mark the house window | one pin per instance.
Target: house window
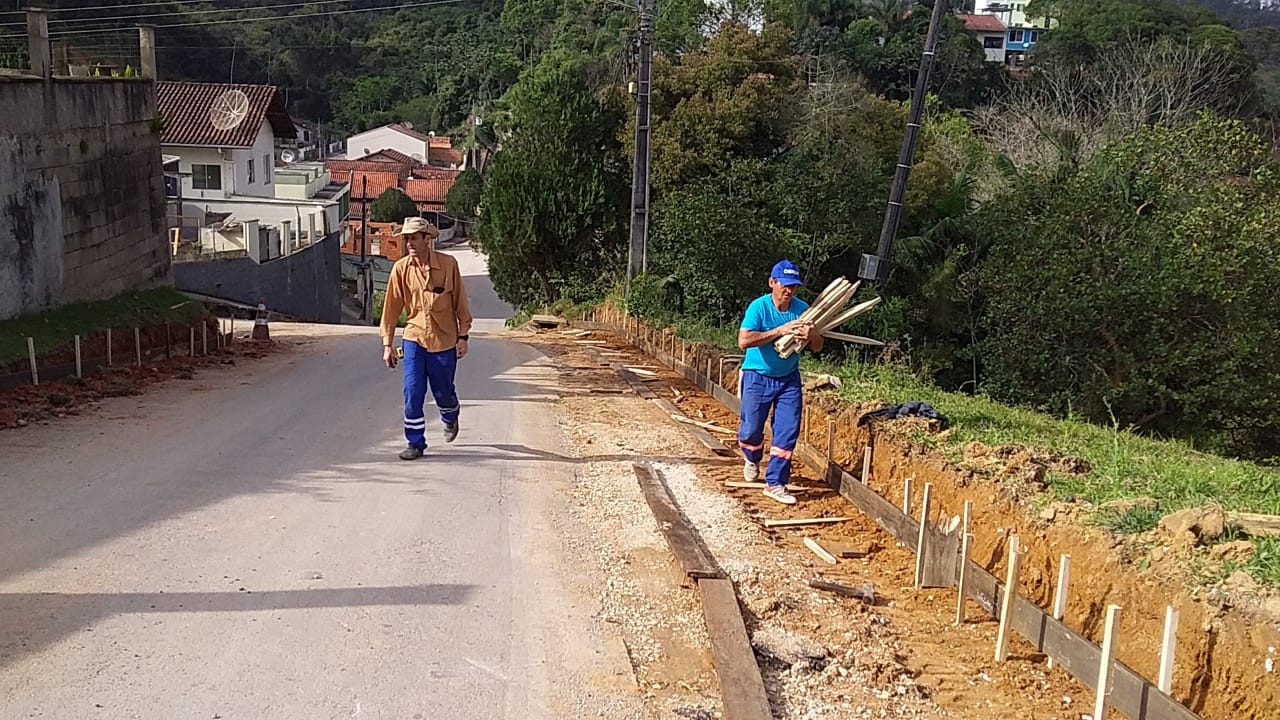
(206, 177)
(267, 169)
(1017, 36)
(993, 42)
(250, 171)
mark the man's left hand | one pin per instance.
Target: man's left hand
(461, 347)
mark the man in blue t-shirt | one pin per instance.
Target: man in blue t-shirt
(770, 382)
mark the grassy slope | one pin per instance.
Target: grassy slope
(57, 328)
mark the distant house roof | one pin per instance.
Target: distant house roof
(378, 183)
(982, 23)
(427, 191)
(432, 173)
(445, 156)
(390, 155)
(409, 131)
(401, 170)
(185, 107)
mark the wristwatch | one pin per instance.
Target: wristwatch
(465, 338)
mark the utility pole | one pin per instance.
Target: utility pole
(638, 258)
(366, 292)
(876, 267)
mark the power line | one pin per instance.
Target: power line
(111, 7)
(402, 6)
(184, 13)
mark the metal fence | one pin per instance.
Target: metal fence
(75, 48)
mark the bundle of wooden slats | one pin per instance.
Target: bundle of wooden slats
(827, 313)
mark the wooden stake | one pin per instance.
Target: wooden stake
(802, 521)
(204, 339)
(866, 465)
(1107, 665)
(1060, 592)
(31, 353)
(1006, 604)
(232, 334)
(1167, 648)
(923, 535)
(108, 347)
(906, 496)
(720, 382)
(192, 346)
(831, 440)
(965, 539)
(820, 551)
(137, 345)
(79, 365)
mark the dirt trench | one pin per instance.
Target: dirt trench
(1226, 655)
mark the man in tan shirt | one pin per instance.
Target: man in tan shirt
(428, 285)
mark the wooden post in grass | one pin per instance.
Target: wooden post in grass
(923, 535)
(137, 345)
(79, 364)
(1107, 664)
(1006, 604)
(204, 338)
(108, 347)
(1060, 592)
(192, 346)
(966, 537)
(906, 496)
(1167, 647)
(720, 382)
(31, 353)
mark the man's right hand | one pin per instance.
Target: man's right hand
(389, 356)
(797, 328)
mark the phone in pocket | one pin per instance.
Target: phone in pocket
(399, 352)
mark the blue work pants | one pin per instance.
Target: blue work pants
(761, 394)
(423, 369)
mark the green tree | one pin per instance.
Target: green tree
(1139, 287)
(554, 199)
(464, 195)
(393, 205)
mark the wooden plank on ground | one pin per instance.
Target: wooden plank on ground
(697, 563)
(803, 521)
(885, 513)
(816, 548)
(741, 685)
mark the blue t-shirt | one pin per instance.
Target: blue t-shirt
(762, 315)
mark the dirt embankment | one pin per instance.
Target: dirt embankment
(1228, 636)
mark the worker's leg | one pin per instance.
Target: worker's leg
(414, 367)
(441, 368)
(786, 429)
(757, 397)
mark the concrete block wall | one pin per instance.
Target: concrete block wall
(82, 205)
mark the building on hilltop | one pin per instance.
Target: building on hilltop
(429, 149)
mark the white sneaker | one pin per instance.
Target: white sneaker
(750, 471)
(781, 494)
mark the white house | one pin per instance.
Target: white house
(428, 149)
(226, 140)
(991, 33)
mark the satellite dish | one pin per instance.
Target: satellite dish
(417, 156)
(288, 156)
(229, 110)
(407, 125)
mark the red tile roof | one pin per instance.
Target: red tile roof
(185, 107)
(379, 182)
(427, 191)
(390, 155)
(432, 173)
(401, 170)
(445, 156)
(982, 23)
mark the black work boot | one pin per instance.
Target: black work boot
(451, 432)
(411, 453)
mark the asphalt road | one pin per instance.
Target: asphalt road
(247, 545)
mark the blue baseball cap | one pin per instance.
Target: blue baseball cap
(786, 273)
